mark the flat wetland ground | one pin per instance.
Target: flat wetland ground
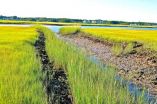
(21, 76)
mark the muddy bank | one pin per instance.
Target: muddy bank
(55, 80)
(139, 65)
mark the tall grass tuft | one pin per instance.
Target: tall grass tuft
(69, 30)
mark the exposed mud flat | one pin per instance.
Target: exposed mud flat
(55, 80)
(139, 66)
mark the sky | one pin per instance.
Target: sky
(125, 10)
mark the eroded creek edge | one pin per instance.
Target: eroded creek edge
(55, 80)
(139, 67)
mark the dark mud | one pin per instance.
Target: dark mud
(138, 66)
(55, 80)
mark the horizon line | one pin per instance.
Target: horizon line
(73, 18)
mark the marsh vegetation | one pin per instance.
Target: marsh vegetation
(21, 76)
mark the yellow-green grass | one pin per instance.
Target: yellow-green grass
(147, 37)
(33, 22)
(69, 30)
(14, 22)
(20, 70)
(89, 83)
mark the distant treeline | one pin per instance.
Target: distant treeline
(68, 20)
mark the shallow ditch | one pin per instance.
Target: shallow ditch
(55, 80)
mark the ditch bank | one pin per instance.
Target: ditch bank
(138, 66)
(55, 80)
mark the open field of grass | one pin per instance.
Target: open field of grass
(147, 37)
(20, 74)
(32, 22)
(90, 83)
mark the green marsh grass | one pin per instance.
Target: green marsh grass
(20, 70)
(147, 37)
(69, 30)
(35, 22)
(89, 83)
(122, 48)
(117, 50)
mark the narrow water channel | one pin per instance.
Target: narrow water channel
(134, 90)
